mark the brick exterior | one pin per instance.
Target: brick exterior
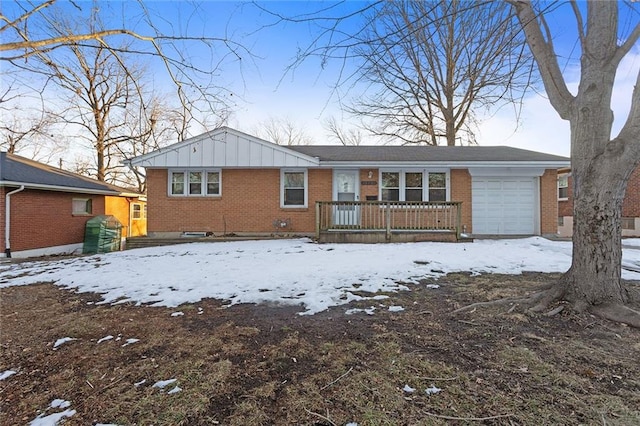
(461, 191)
(44, 219)
(549, 202)
(250, 202)
(630, 206)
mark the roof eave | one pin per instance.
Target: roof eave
(58, 188)
(448, 164)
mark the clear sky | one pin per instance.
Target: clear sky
(261, 86)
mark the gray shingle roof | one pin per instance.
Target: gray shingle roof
(451, 154)
(14, 168)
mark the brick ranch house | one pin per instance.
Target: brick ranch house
(630, 206)
(228, 182)
(45, 209)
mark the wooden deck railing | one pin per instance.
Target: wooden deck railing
(388, 216)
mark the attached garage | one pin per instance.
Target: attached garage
(505, 205)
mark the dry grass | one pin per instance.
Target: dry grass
(260, 365)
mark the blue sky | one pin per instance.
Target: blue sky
(264, 88)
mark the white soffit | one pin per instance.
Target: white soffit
(507, 171)
(224, 147)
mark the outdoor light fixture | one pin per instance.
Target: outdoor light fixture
(370, 174)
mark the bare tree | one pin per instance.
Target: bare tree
(57, 42)
(26, 130)
(430, 65)
(346, 136)
(282, 131)
(601, 164)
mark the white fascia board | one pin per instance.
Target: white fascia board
(57, 188)
(445, 164)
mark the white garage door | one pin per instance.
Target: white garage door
(504, 205)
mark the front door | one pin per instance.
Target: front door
(346, 187)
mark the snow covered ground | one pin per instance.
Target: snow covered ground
(280, 271)
(297, 272)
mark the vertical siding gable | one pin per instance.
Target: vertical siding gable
(227, 149)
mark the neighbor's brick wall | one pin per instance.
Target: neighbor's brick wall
(250, 202)
(461, 191)
(630, 206)
(565, 207)
(3, 191)
(42, 219)
(549, 202)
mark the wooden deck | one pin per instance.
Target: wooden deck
(387, 221)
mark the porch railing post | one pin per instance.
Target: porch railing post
(458, 220)
(318, 220)
(387, 215)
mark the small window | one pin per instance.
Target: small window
(136, 211)
(294, 192)
(629, 223)
(213, 183)
(437, 187)
(195, 183)
(390, 186)
(81, 206)
(560, 220)
(177, 183)
(413, 186)
(563, 187)
(144, 212)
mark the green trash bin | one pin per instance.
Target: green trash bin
(102, 235)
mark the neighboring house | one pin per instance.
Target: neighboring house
(630, 206)
(229, 182)
(44, 209)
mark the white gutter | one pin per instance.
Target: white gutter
(7, 220)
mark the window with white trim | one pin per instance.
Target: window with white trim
(136, 211)
(563, 187)
(293, 188)
(194, 183)
(437, 186)
(81, 206)
(412, 185)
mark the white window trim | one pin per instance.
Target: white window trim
(203, 187)
(558, 189)
(306, 188)
(425, 181)
(133, 209)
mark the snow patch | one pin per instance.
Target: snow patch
(104, 339)
(62, 341)
(164, 383)
(6, 374)
(130, 342)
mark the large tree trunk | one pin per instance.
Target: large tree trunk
(600, 168)
(595, 274)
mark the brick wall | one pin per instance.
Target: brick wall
(549, 202)
(461, 191)
(630, 206)
(42, 219)
(250, 202)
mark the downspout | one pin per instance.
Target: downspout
(7, 220)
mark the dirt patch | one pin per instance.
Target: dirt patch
(267, 365)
